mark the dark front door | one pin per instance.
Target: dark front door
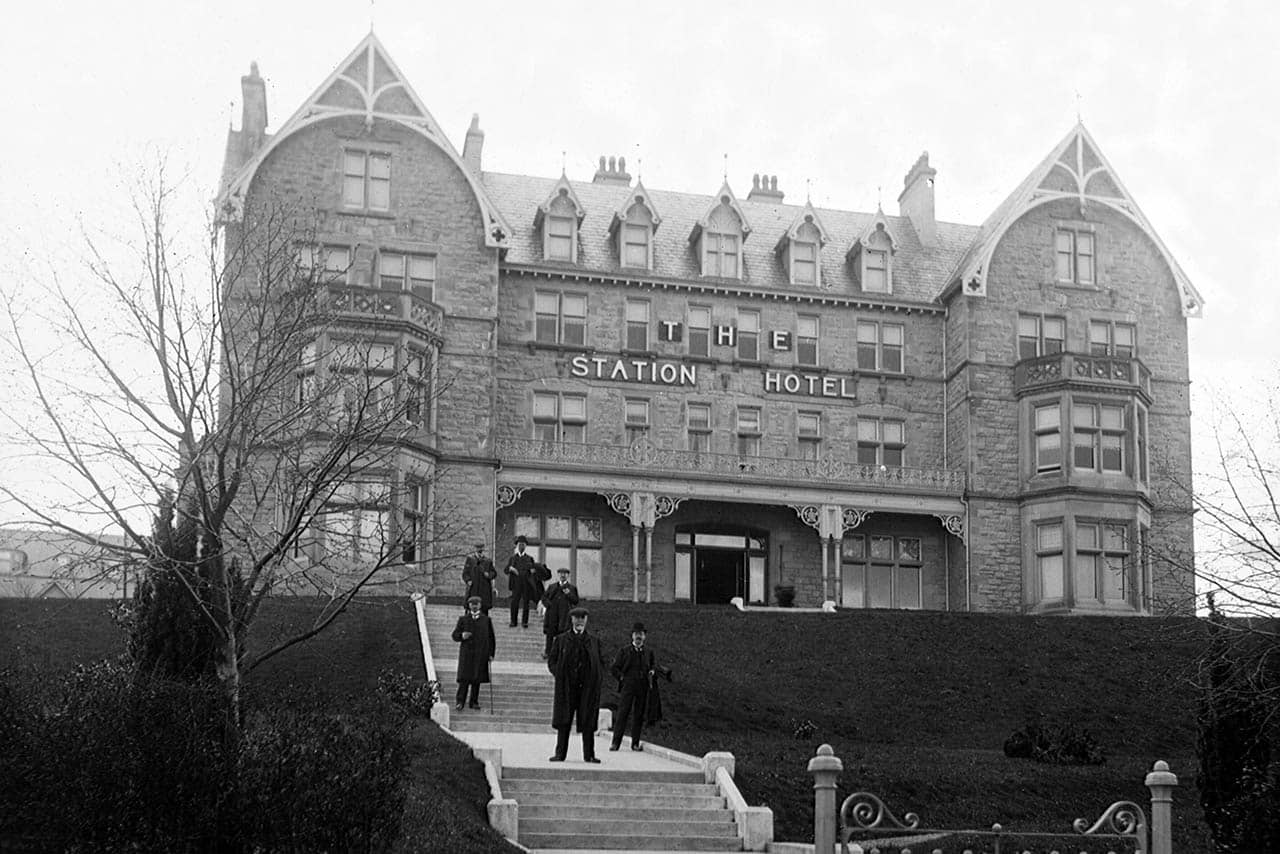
(719, 576)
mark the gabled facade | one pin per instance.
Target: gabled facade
(689, 397)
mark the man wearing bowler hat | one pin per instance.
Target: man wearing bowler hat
(634, 668)
(519, 572)
(559, 600)
(478, 574)
(576, 663)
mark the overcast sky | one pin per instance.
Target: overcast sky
(843, 95)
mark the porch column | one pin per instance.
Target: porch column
(635, 563)
(830, 528)
(648, 563)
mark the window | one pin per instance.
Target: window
(559, 418)
(875, 260)
(635, 246)
(414, 535)
(637, 324)
(308, 362)
(1112, 339)
(881, 442)
(366, 179)
(699, 427)
(803, 253)
(1049, 565)
(809, 434)
(355, 520)
(572, 542)
(699, 330)
(560, 318)
(637, 419)
(1101, 562)
(877, 271)
(806, 340)
(1074, 254)
(334, 263)
(748, 335)
(881, 571)
(398, 271)
(749, 431)
(720, 255)
(1040, 336)
(1048, 438)
(417, 385)
(880, 346)
(560, 229)
(1141, 424)
(365, 379)
(12, 561)
(1098, 437)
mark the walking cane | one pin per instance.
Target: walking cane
(490, 693)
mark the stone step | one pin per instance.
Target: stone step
(626, 812)
(495, 725)
(537, 841)
(682, 801)
(593, 827)
(691, 777)
(605, 787)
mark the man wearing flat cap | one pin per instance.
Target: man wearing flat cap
(634, 668)
(477, 643)
(559, 600)
(578, 668)
(520, 575)
(478, 574)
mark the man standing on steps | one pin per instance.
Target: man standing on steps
(578, 668)
(559, 599)
(520, 576)
(475, 634)
(635, 670)
(478, 574)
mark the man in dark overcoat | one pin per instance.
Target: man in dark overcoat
(559, 600)
(474, 632)
(478, 574)
(578, 667)
(635, 669)
(520, 576)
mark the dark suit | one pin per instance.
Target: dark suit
(474, 654)
(478, 574)
(559, 599)
(634, 670)
(520, 573)
(576, 663)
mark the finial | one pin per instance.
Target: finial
(879, 196)
(639, 162)
(1079, 109)
(808, 191)
(231, 113)
(371, 10)
(562, 163)
(726, 167)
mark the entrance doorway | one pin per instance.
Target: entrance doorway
(715, 563)
(719, 576)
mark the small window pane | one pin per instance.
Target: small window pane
(1047, 417)
(1051, 580)
(558, 528)
(575, 407)
(893, 334)
(1049, 537)
(544, 406)
(853, 547)
(879, 586)
(699, 416)
(909, 549)
(589, 529)
(528, 526)
(893, 432)
(882, 548)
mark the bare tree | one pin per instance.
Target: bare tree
(251, 396)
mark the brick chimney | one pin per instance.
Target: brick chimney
(764, 188)
(613, 172)
(253, 121)
(916, 200)
(472, 145)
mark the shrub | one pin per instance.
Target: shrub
(109, 759)
(404, 692)
(1055, 744)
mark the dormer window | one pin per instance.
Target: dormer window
(561, 230)
(719, 235)
(801, 248)
(635, 246)
(872, 257)
(558, 218)
(633, 226)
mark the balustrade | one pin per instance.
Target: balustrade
(644, 456)
(1081, 367)
(373, 303)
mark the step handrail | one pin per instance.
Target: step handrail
(420, 604)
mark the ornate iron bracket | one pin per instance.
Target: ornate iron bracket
(810, 514)
(508, 495)
(954, 523)
(852, 517)
(665, 505)
(619, 502)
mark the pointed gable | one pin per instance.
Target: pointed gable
(369, 85)
(633, 197)
(806, 219)
(562, 196)
(1074, 170)
(877, 232)
(715, 215)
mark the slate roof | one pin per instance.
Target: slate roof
(919, 274)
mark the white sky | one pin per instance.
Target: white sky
(1179, 95)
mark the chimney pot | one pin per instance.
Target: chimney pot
(764, 188)
(613, 170)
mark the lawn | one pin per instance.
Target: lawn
(917, 705)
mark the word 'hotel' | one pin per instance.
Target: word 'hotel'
(687, 396)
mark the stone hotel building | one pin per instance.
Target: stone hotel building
(694, 395)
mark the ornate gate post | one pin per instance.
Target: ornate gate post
(1161, 781)
(825, 768)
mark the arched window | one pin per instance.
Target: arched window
(722, 243)
(872, 257)
(635, 237)
(560, 230)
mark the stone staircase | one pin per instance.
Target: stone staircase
(567, 808)
(630, 802)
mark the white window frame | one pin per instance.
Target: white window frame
(808, 332)
(570, 328)
(1071, 247)
(363, 179)
(637, 325)
(872, 333)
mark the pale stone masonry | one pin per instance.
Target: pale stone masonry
(694, 396)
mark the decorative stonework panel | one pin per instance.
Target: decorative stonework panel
(508, 495)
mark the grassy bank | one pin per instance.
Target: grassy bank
(916, 705)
